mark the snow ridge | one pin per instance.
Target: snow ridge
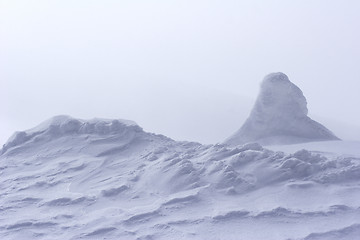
(65, 125)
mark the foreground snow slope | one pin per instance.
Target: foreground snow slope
(108, 179)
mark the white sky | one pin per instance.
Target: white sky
(189, 69)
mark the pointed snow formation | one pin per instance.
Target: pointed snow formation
(280, 116)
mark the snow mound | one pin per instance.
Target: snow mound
(58, 126)
(280, 116)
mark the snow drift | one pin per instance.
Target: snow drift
(280, 116)
(109, 179)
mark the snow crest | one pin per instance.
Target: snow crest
(65, 125)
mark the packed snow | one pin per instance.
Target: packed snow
(109, 179)
(280, 116)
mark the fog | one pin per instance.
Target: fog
(186, 69)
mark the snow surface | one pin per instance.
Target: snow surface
(104, 179)
(329, 148)
(280, 116)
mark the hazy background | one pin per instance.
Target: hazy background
(187, 69)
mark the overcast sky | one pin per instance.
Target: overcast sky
(187, 69)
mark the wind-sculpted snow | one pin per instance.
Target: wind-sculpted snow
(350, 232)
(65, 125)
(104, 179)
(280, 116)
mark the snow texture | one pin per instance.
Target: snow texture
(103, 179)
(280, 116)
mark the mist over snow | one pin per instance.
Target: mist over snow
(159, 127)
(186, 69)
